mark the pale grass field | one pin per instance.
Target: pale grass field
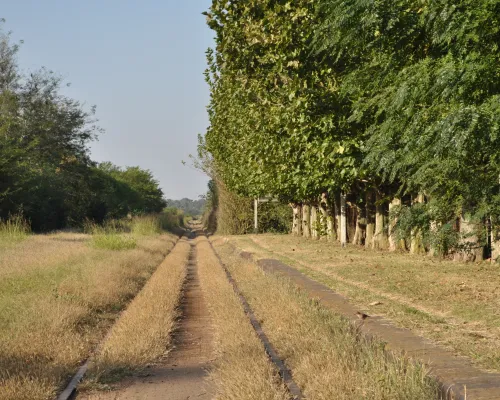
(455, 304)
(241, 369)
(58, 296)
(142, 334)
(328, 357)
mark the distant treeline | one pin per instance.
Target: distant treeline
(46, 173)
(190, 207)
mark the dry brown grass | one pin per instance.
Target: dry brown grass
(455, 304)
(58, 296)
(242, 370)
(142, 334)
(329, 358)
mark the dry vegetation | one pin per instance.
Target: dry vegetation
(242, 370)
(58, 296)
(328, 357)
(142, 334)
(456, 304)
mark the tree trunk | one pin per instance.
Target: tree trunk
(394, 244)
(433, 250)
(337, 218)
(495, 244)
(306, 220)
(370, 219)
(314, 223)
(471, 249)
(359, 235)
(417, 245)
(380, 240)
(323, 208)
(343, 220)
(297, 219)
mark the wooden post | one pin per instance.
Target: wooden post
(343, 220)
(370, 219)
(255, 216)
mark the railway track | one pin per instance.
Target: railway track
(284, 372)
(70, 392)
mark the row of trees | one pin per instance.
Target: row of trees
(348, 108)
(46, 173)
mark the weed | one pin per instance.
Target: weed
(14, 229)
(146, 225)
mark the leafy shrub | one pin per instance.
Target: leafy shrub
(171, 219)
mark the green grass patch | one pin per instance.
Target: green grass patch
(14, 229)
(146, 226)
(110, 237)
(113, 241)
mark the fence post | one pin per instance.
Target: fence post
(343, 220)
(255, 216)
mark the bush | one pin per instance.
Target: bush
(171, 219)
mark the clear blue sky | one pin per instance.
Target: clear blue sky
(140, 62)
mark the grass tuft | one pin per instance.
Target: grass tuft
(113, 241)
(14, 229)
(109, 237)
(146, 226)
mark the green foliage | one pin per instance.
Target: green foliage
(275, 218)
(274, 127)
(172, 219)
(409, 219)
(423, 80)
(209, 218)
(230, 214)
(312, 97)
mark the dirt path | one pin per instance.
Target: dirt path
(182, 375)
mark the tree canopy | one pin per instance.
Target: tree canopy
(319, 96)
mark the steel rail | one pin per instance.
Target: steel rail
(286, 375)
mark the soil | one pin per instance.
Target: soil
(182, 375)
